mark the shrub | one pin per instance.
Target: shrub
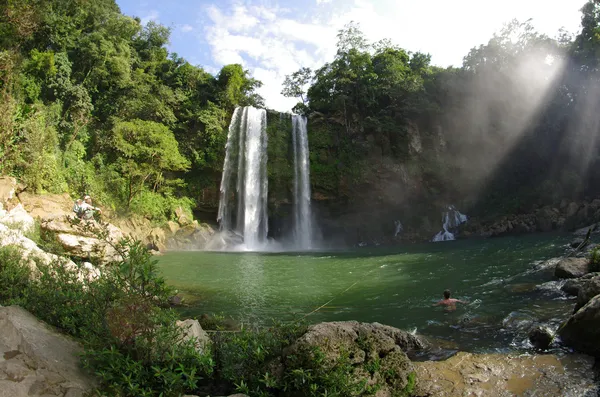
(130, 338)
(244, 358)
(595, 260)
(14, 277)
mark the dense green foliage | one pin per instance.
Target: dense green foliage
(131, 341)
(91, 102)
(517, 116)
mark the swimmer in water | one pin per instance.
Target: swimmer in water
(449, 303)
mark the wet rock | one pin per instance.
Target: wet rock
(36, 360)
(175, 300)
(588, 289)
(540, 337)
(498, 375)
(365, 344)
(572, 286)
(577, 242)
(193, 330)
(582, 330)
(572, 268)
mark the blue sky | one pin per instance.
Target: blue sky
(273, 38)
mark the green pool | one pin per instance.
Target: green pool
(505, 280)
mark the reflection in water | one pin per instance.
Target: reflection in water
(249, 287)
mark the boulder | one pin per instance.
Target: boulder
(38, 360)
(572, 268)
(157, 239)
(31, 252)
(182, 217)
(18, 218)
(572, 286)
(540, 337)
(589, 289)
(193, 330)
(80, 238)
(88, 248)
(377, 352)
(582, 330)
(504, 375)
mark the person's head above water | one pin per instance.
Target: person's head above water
(447, 294)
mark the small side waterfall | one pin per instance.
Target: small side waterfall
(451, 219)
(246, 154)
(399, 228)
(303, 228)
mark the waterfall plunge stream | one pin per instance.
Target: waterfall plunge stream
(246, 165)
(242, 216)
(303, 228)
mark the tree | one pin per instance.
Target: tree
(147, 150)
(294, 85)
(237, 87)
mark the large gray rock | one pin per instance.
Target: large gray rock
(572, 268)
(582, 330)
(193, 330)
(377, 352)
(589, 289)
(36, 360)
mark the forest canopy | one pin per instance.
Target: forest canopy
(92, 102)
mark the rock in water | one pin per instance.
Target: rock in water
(582, 330)
(540, 337)
(38, 361)
(572, 268)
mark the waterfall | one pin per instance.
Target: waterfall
(399, 228)
(451, 219)
(246, 154)
(303, 228)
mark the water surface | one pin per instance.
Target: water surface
(505, 280)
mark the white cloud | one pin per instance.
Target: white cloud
(187, 28)
(153, 15)
(273, 42)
